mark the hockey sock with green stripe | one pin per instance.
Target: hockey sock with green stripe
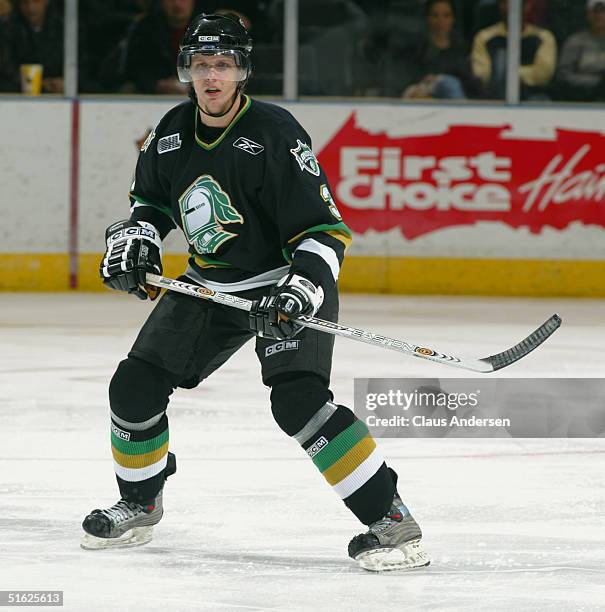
(343, 450)
(140, 459)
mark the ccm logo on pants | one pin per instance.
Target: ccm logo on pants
(286, 345)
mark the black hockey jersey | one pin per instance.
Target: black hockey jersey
(252, 204)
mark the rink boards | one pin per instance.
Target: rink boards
(441, 199)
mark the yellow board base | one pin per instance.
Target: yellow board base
(34, 272)
(396, 275)
(495, 277)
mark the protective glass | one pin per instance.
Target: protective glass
(227, 65)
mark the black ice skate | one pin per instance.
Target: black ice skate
(391, 543)
(125, 524)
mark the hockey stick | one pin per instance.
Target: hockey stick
(485, 365)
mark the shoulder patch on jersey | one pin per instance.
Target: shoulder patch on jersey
(245, 144)
(326, 196)
(205, 209)
(150, 136)
(169, 143)
(305, 157)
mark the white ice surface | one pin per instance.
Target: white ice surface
(250, 524)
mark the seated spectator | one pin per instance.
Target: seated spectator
(538, 57)
(581, 75)
(5, 7)
(537, 11)
(106, 22)
(442, 58)
(565, 18)
(485, 13)
(154, 45)
(32, 34)
(238, 15)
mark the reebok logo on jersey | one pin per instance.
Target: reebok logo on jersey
(245, 144)
(286, 345)
(316, 446)
(169, 143)
(120, 433)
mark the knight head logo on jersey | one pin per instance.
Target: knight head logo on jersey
(306, 158)
(205, 208)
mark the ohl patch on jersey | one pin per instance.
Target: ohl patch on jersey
(205, 208)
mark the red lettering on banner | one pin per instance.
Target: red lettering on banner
(468, 174)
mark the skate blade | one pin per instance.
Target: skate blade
(409, 556)
(137, 536)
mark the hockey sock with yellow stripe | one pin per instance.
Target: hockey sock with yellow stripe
(343, 450)
(140, 459)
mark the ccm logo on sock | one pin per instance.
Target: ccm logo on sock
(124, 435)
(316, 446)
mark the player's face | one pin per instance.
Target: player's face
(215, 79)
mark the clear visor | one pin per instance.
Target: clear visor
(227, 65)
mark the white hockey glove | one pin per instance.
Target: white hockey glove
(133, 249)
(292, 296)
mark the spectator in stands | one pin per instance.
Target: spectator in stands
(485, 13)
(442, 58)
(32, 34)
(565, 18)
(107, 22)
(581, 75)
(153, 48)
(538, 57)
(5, 7)
(236, 15)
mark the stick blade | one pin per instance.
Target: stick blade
(526, 346)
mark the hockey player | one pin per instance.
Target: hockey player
(239, 178)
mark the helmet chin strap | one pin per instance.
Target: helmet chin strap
(218, 115)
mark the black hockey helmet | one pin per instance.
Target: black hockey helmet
(215, 35)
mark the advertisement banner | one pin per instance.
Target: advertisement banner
(468, 182)
(423, 183)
